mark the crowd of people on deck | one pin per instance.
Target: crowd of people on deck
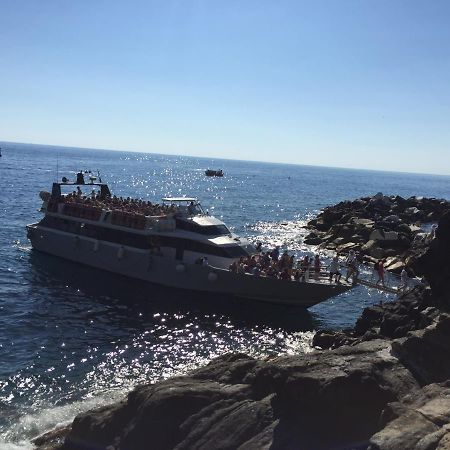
(285, 267)
(273, 265)
(123, 204)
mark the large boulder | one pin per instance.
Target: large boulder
(313, 239)
(380, 235)
(425, 352)
(420, 422)
(432, 260)
(369, 246)
(239, 402)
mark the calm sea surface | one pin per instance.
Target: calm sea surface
(72, 337)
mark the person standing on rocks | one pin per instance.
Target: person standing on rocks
(403, 281)
(379, 267)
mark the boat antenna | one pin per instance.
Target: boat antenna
(99, 177)
(57, 167)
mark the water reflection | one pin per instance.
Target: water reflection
(124, 297)
(89, 332)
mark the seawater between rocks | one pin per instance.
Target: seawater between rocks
(73, 337)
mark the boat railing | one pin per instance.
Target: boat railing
(392, 283)
(80, 211)
(307, 276)
(117, 217)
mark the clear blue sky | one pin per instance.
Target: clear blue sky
(350, 83)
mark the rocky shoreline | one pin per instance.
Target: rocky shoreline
(382, 385)
(378, 227)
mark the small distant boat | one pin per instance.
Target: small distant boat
(214, 173)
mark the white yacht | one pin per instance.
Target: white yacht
(175, 244)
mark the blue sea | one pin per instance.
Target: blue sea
(73, 337)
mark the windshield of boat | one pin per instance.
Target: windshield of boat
(209, 230)
(188, 208)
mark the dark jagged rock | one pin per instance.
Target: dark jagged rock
(378, 226)
(52, 440)
(414, 311)
(425, 352)
(433, 261)
(422, 423)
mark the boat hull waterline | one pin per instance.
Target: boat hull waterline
(152, 267)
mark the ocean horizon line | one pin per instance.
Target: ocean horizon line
(226, 159)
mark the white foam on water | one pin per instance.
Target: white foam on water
(300, 342)
(25, 445)
(32, 425)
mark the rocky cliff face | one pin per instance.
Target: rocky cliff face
(411, 312)
(384, 387)
(434, 262)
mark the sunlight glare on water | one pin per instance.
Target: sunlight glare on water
(74, 337)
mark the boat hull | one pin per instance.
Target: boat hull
(156, 268)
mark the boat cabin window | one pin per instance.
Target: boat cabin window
(141, 241)
(235, 251)
(208, 230)
(215, 230)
